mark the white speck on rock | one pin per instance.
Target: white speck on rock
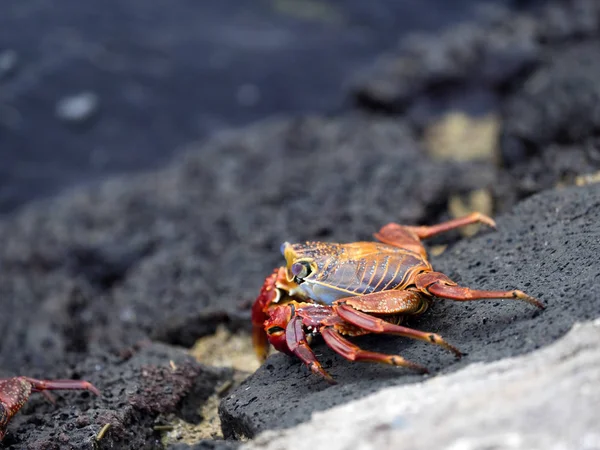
(77, 108)
(8, 62)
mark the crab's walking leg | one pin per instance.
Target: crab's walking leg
(352, 352)
(409, 237)
(424, 232)
(377, 325)
(61, 385)
(14, 392)
(296, 341)
(440, 285)
(389, 302)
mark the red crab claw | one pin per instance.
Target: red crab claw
(14, 393)
(275, 290)
(268, 294)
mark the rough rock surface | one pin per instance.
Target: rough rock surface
(551, 122)
(537, 72)
(88, 279)
(547, 246)
(132, 259)
(547, 399)
(109, 267)
(475, 64)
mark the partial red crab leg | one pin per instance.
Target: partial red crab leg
(440, 285)
(61, 385)
(297, 343)
(352, 352)
(377, 325)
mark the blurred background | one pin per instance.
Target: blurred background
(89, 89)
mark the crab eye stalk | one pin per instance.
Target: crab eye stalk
(301, 269)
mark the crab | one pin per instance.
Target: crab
(336, 290)
(14, 393)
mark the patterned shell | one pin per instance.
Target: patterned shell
(358, 268)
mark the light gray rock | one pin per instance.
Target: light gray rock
(548, 399)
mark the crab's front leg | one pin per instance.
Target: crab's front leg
(14, 393)
(285, 331)
(274, 291)
(268, 294)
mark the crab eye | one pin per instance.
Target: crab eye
(301, 269)
(282, 248)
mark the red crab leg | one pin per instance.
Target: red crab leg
(377, 325)
(61, 385)
(424, 232)
(409, 237)
(297, 343)
(440, 285)
(352, 352)
(14, 392)
(389, 302)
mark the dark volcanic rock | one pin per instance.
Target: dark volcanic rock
(134, 393)
(559, 103)
(537, 72)
(551, 123)
(522, 403)
(473, 66)
(172, 254)
(548, 246)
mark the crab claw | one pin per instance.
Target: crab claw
(268, 294)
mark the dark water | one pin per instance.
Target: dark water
(164, 73)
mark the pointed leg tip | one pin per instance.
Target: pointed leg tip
(539, 304)
(523, 296)
(330, 380)
(486, 220)
(490, 222)
(93, 389)
(452, 349)
(423, 370)
(458, 354)
(48, 396)
(414, 366)
(316, 368)
(327, 376)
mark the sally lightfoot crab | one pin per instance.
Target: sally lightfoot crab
(355, 289)
(14, 393)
